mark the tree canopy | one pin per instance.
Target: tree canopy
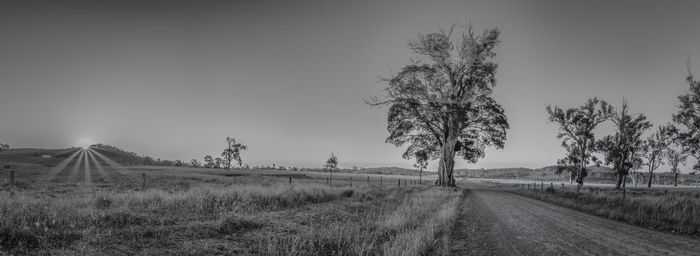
(576, 127)
(623, 149)
(442, 103)
(688, 119)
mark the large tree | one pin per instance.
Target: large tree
(442, 102)
(654, 150)
(576, 127)
(622, 150)
(688, 119)
(233, 152)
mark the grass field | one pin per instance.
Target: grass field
(197, 211)
(675, 210)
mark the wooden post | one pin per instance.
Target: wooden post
(551, 185)
(562, 186)
(145, 180)
(380, 180)
(290, 179)
(597, 190)
(367, 180)
(399, 183)
(350, 181)
(12, 177)
(542, 186)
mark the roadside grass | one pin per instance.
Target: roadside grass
(674, 211)
(405, 222)
(270, 219)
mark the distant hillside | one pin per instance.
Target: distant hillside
(35, 155)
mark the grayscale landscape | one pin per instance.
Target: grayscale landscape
(349, 128)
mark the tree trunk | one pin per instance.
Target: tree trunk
(624, 180)
(447, 163)
(634, 178)
(580, 175)
(651, 175)
(675, 179)
(620, 177)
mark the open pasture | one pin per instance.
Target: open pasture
(94, 206)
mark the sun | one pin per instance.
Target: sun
(85, 142)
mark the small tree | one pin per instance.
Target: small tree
(622, 150)
(218, 162)
(233, 152)
(195, 163)
(208, 161)
(331, 164)
(576, 127)
(675, 153)
(654, 149)
(3, 147)
(422, 159)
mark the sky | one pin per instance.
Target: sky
(172, 79)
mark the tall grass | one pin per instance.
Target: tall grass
(30, 224)
(408, 222)
(674, 211)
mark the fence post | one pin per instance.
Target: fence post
(597, 190)
(551, 185)
(562, 186)
(290, 179)
(380, 180)
(145, 180)
(12, 177)
(350, 181)
(367, 180)
(399, 183)
(542, 186)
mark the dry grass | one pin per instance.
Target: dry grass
(675, 211)
(406, 222)
(274, 219)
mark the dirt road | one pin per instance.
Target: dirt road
(495, 222)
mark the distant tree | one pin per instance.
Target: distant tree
(576, 127)
(218, 162)
(654, 150)
(179, 163)
(331, 164)
(422, 158)
(195, 163)
(622, 150)
(3, 147)
(444, 104)
(208, 161)
(233, 152)
(688, 119)
(675, 153)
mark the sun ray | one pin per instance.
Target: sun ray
(88, 175)
(98, 166)
(119, 168)
(76, 167)
(58, 168)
